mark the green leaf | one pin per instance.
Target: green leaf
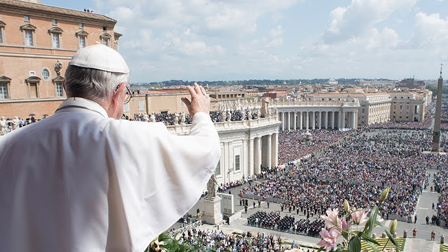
(372, 220)
(354, 245)
(320, 249)
(345, 234)
(369, 239)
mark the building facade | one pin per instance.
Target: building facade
(36, 43)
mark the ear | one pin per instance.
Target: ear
(115, 104)
(118, 92)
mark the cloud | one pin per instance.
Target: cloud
(358, 18)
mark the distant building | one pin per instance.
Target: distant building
(411, 83)
(36, 43)
(407, 107)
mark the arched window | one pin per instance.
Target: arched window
(45, 74)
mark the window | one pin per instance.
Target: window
(55, 40)
(2, 28)
(59, 89)
(3, 91)
(237, 162)
(26, 18)
(105, 37)
(82, 35)
(54, 22)
(45, 74)
(81, 26)
(55, 33)
(33, 86)
(141, 105)
(28, 37)
(82, 42)
(126, 108)
(218, 168)
(28, 30)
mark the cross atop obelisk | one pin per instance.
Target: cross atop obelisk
(436, 132)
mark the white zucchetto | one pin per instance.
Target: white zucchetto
(100, 57)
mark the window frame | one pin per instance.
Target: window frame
(82, 35)
(237, 162)
(59, 89)
(2, 30)
(28, 29)
(6, 82)
(45, 78)
(55, 36)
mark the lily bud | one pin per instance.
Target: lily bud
(384, 194)
(346, 206)
(393, 226)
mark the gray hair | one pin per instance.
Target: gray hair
(92, 84)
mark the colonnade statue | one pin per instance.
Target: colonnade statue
(212, 186)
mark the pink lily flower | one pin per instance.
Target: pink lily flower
(328, 238)
(343, 225)
(359, 217)
(331, 218)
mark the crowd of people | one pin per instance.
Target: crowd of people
(185, 118)
(371, 162)
(287, 223)
(214, 240)
(441, 186)
(293, 145)
(422, 125)
(11, 124)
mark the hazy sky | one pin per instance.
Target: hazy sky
(277, 39)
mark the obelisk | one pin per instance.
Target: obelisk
(436, 131)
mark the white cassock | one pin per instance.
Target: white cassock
(81, 181)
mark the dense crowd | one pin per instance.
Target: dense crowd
(213, 240)
(288, 223)
(441, 186)
(10, 124)
(293, 145)
(185, 118)
(357, 169)
(423, 125)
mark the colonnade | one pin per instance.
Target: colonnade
(263, 152)
(320, 119)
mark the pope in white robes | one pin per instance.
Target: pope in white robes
(82, 180)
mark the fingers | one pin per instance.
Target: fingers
(191, 91)
(186, 101)
(198, 88)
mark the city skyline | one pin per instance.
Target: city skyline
(291, 39)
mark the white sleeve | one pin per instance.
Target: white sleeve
(161, 175)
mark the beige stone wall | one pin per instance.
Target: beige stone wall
(18, 60)
(23, 108)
